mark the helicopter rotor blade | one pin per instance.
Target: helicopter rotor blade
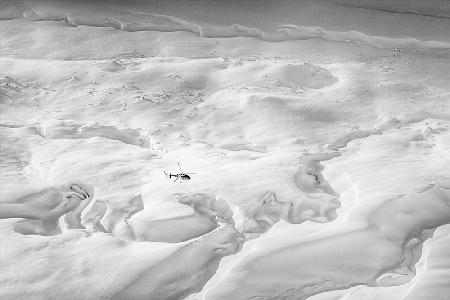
(181, 171)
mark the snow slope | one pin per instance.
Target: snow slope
(322, 127)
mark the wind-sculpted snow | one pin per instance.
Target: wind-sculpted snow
(166, 23)
(384, 253)
(315, 136)
(207, 213)
(318, 202)
(69, 129)
(190, 274)
(354, 134)
(92, 220)
(180, 275)
(441, 9)
(302, 32)
(42, 210)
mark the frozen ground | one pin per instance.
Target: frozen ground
(318, 132)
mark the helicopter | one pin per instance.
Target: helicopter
(182, 175)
